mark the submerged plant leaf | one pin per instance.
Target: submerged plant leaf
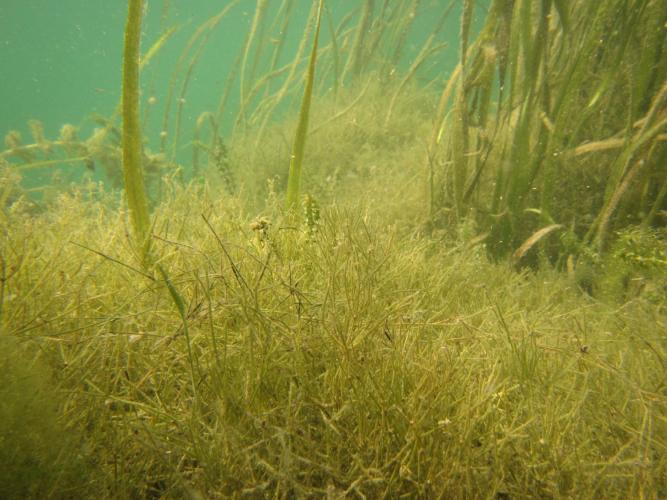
(157, 46)
(530, 242)
(296, 158)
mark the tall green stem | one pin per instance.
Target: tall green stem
(296, 159)
(132, 160)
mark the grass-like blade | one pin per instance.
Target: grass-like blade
(296, 158)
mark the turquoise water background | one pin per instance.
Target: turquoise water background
(61, 59)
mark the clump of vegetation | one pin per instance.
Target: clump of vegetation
(342, 358)
(419, 329)
(576, 134)
(636, 265)
(41, 454)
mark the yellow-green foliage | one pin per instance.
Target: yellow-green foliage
(299, 144)
(41, 455)
(635, 265)
(564, 121)
(356, 359)
(351, 155)
(358, 354)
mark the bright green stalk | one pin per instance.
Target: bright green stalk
(302, 128)
(132, 161)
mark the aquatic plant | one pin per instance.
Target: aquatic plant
(350, 359)
(135, 190)
(193, 49)
(360, 353)
(41, 453)
(296, 157)
(558, 145)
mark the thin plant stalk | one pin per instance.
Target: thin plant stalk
(273, 101)
(204, 30)
(286, 8)
(260, 10)
(210, 25)
(354, 63)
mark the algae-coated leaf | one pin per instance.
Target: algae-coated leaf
(182, 312)
(596, 146)
(175, 296)
(296, 158)
(157, 46)
(530, 242)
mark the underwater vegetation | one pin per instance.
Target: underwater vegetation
(135, 190)
(359, 274)
(296, 156)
